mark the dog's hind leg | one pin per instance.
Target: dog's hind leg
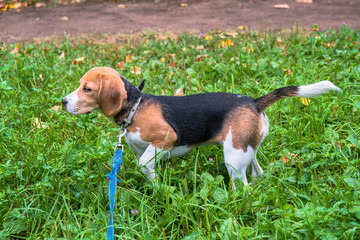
(237, 160)
(256, 169)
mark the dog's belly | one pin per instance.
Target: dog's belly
(139, 146)
(179, 151)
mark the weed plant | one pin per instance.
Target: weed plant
(53, 164)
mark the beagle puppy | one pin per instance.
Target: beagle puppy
(169, 126)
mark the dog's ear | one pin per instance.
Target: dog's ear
(111, 94)
(142, 84)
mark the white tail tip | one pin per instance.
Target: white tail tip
(316, 89)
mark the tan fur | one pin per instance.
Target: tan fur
(107, 91)
(245, 129)
(153, 127)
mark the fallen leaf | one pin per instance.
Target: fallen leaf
(202, 57)
(282, 6)
(304, 1)
(163, 37)
(128, 58)
(305, 101)
(56, 108)
(162, 59)
(15, 5)
(179, 92)
(79, 61)
(39, 124)
(279, 41)
(120, 65)
(135, 70)
(232, 34)
(172, 64)
(40, 4)
(62, 55)
(64, 18)
(200, 47)
(121, 6)
(15, 51)
(184, 5)
(285, 159)
(3, 7)
(171, 75)
(335, 108)
(241, 27)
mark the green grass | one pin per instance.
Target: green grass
(52, 175)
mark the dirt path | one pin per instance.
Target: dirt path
(199, 16)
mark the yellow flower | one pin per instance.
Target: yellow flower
(226, 43)
(305, 101)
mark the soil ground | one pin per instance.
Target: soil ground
(170, 16)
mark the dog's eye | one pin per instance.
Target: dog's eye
(85, 89)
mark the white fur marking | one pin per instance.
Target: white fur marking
(147, 161)
(135, 142)
(316, 89)
(237, 160)
(72, 100)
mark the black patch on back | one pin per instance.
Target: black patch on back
(200, 117)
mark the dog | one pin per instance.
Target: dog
(170, 126)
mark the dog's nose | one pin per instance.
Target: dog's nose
(64, 101)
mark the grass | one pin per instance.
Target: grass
(53, 164)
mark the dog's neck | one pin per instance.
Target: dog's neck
(133, 95)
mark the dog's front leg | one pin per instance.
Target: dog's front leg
(148, 159)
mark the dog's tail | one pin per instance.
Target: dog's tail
(307, 91)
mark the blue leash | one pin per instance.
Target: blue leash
(112, 178)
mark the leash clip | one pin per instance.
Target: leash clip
(122, 132)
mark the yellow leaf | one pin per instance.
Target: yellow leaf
(128, 58)
(3, 7)
(208, 38)
(184, 5)
(241, 27)
(305, 101)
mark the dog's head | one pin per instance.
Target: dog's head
(100, 88)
